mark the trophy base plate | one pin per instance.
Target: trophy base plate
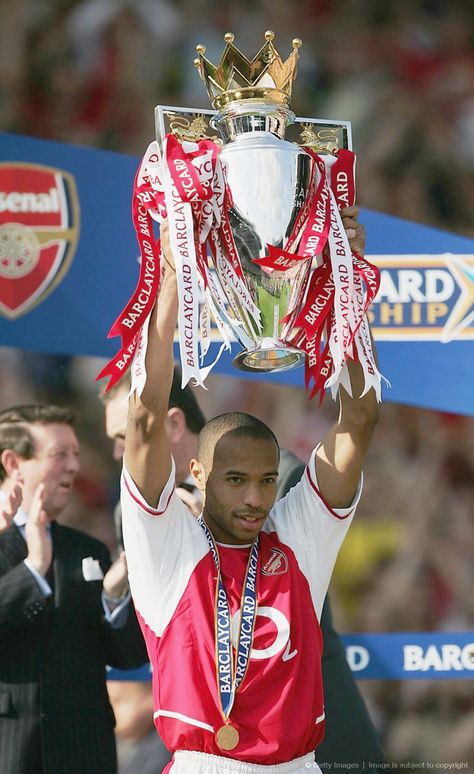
(276, 358)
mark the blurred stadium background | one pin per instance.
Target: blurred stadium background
(402, 71)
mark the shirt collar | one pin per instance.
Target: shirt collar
(20, 518)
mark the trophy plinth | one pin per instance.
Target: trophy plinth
(270, 355)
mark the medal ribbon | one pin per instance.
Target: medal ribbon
(230, 672)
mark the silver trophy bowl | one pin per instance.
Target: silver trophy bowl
(270, 180)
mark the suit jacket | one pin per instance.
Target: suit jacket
(350, 736)
(55, 716)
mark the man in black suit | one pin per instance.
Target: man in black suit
(65, 611)
(139, 747)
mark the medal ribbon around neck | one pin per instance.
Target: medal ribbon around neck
(230, 673)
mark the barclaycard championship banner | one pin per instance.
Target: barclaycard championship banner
(396, 656)
(68, 262)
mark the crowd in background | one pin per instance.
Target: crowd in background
(90, 72)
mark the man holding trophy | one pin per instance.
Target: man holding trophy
(189, 579)
(230, 603)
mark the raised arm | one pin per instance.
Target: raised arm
(341, 455)
(147, 454)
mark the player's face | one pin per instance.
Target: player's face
(55, 464)
(241, 488)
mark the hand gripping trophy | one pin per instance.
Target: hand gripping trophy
(255, 230)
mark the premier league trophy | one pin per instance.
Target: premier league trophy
(270, 183)
(254, 227)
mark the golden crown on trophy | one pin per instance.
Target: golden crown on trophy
(239, 78)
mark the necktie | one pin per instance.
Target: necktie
(50, 574)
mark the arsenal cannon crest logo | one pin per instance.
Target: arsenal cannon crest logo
(39, 228)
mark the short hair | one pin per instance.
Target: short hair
(180, 397)
(240, 424)
(185, 399)
(15, 427)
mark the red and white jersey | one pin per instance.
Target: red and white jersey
(279, 707)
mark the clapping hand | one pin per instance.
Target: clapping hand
(116, 580)
(10, 506)
(40, 549)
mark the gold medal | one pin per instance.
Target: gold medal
(227, 737)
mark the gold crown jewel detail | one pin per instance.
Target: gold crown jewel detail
(266, 76)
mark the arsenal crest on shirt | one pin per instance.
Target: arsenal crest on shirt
(39, 229)
(274, 563)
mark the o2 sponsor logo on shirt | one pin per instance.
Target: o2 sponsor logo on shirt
(280, 643)
(39, 229)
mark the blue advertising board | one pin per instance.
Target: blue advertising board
(66, 210)
(394, 656)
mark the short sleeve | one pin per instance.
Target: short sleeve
(312, 529)
(162, 546)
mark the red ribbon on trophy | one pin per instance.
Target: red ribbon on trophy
(187, 183)
(130, 320)
(340, 289)
(301, 297)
